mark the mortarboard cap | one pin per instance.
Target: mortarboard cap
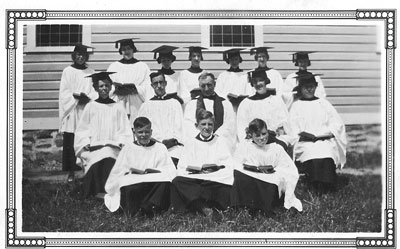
(80, 48)
(301, 55)
(195, 49)
(258, 74)
(259, 50)
(100, 76)
(164, 51)
(126, 42)
(306, 78)
(230, 53)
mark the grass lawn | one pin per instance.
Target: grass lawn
(355, 207)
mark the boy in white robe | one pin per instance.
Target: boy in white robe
(203, 188)
(166, 58)
(320, 135)
(233, 81)
(165, 112)
(140, 179)
(222, 110)
(262, 57)
(261, 189)
(131, 79)
(302, 60)
(189, 78)
(266, 106)
(102, 131)
(75, 92)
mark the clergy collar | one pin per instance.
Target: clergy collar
(168, 96)
(104, 101)
(130, 61)
(258, 96)
(301, 72)
(195, 69)
(313, 98)
(266, 68)
(211, 97)
(156, 97)
(151, 143)
(165, 71)
(201, 138)
(80, 67)
(235, 70)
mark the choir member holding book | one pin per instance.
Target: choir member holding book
(102, 131)
(205, 171)
(320, 147)
(263, 172)
(141, 177)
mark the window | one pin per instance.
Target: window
(232, 35)
(56, 37)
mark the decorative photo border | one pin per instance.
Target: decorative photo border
(13, 16)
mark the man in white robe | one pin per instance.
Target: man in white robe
(189, 78)
(222, 110)
(289, 92)
(102, 131)
(140, 179)
(320, 135)
(166, 58)
(131, 79)
(165, 112)
(75, 92)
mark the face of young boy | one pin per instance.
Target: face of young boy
(260, 138)
(206, 127)
(143, 135)
(104, 88)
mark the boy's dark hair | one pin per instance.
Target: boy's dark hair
(156, 74)
(255, 126)
(141, 122)
(203, 114)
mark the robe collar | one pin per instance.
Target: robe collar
(201, 138)
(313, 98)
(195, 69)
(302, 72)
(151, 143)
(258, 96)
(130, 61)
(168, 96)
(165, 71)
(266, 68)
(235, 70)
(105, 101)
(79, 67)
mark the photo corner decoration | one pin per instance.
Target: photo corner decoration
(14, 21)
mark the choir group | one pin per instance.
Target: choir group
(189, 141)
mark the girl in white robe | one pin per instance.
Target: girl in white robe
(199, 191)
(75, 92)
(102, 131)
(262, 190)
(129, 186)
(130, 71)
(166, 58)
(301, 60)
(320, 135)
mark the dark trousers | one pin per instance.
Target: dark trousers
(68, 154)
(96, 178)
(147, 196)
(188, 193)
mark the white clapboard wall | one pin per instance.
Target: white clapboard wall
(347, 56)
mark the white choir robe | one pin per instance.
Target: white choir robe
(271, 109)
(172, 82)
(233, 82)
(197, 153)
(187, 82)
(73, 81)
(101, 124)
(139, 157)
(227, 130)
(166, 121)
(137, 73)
(285, 176)
(318, 117)
(291, 82)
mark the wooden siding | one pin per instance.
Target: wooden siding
(347, 57)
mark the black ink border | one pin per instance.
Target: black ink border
(386, 15)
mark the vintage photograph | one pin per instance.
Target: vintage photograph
(238, 127)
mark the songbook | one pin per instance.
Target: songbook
(99, 145)
(272, 91)
(125, 89)
(308, 137)
(195, 92)
(266, 169)
(205, 168)
(143, 171)
(80, 96)
(236, 99)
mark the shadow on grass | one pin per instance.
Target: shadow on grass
(354, 207)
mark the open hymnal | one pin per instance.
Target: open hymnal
(266, 169)
(101, 144)
(143, 171)
(305, 136)
(125, 89)
(236, 98)
(205, 168)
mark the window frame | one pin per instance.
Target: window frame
(31, 40)
(205, 38)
